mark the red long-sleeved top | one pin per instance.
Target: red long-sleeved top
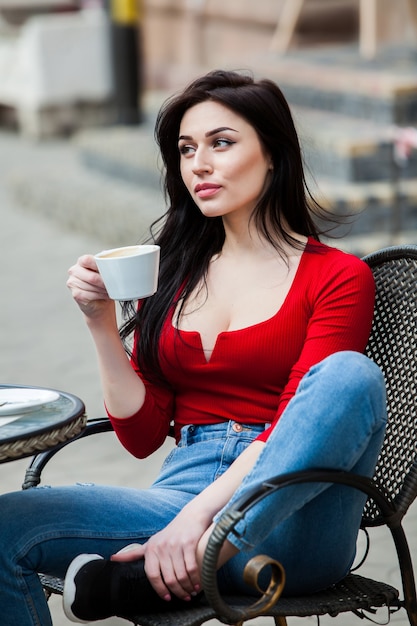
(254, 372)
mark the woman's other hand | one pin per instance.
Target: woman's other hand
(170, 558)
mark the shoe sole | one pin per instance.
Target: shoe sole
(68, 595)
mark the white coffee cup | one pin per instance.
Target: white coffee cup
(131, 272)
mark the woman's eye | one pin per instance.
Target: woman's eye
(221, 142)
(186, 149)
(189, 149)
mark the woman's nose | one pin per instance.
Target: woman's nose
(201, 162)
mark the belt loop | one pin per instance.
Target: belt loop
(190, 432)
(185, 432)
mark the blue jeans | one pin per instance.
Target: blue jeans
(336, 420)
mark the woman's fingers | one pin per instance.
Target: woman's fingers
(84, 275)
(154, 574)
(173, 572)
(87, 287)
(88, 261)
(132, 552)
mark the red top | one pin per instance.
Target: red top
(254, 372)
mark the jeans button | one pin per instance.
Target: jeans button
(237, 428)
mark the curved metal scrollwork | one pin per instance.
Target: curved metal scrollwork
(276, 584)
(230, 614)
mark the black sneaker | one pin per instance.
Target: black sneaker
(96, 589)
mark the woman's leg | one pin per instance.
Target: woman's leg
(44, 529)
(336, 420)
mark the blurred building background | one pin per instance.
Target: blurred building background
(347, 67)
(181, 35)
(60, 52)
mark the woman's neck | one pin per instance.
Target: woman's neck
(242, 239)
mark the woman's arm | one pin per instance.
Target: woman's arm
(123, 390)
(342, 298)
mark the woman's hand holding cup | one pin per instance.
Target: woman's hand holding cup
(87, 288)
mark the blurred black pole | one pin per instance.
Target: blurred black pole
(126, 45)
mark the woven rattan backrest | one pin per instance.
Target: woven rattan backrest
(393, 346)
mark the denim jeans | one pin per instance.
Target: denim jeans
(335, 420)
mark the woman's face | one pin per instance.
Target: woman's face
(222, 162)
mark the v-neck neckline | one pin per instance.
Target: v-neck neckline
(228, 333)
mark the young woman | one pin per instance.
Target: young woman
(252, 349)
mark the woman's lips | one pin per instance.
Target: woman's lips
(206, 190)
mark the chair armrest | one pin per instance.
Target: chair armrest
(38, 462)
(236, 512)
(363, 483)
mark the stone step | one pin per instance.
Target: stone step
(368, 208)
(348, 149)
(337, 79)
(82, 200)
(127, 153)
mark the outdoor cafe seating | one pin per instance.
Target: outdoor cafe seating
(391, 491)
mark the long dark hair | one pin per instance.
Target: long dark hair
(187, 238)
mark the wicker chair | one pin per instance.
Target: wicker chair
(393, 346)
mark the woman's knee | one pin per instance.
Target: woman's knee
(354, 375)
(350, 378)
(353, 368)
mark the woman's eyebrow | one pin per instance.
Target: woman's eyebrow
(209, 133)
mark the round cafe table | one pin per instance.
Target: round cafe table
(41, 427)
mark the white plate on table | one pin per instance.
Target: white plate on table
(15, 401)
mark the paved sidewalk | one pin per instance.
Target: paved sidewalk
(44, 342)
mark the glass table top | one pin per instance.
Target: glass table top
(40, 418)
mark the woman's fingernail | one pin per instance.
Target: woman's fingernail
(167, 597)
(129, 548)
